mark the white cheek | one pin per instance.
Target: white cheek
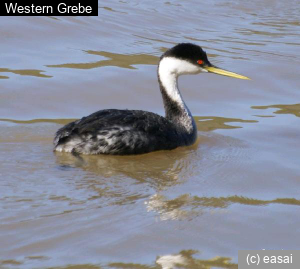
(187, 68)
(178, 67)
(169, 69)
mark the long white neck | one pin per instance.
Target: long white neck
(176, 110)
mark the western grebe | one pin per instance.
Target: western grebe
(124, 132)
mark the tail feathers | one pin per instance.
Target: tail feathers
(63, 133)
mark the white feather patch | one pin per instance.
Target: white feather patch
(170, 69)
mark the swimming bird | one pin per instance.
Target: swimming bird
(125, 132)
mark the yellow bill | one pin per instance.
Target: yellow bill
(224, 72)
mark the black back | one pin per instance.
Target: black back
(134, 131)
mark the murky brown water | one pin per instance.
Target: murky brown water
(237, 188)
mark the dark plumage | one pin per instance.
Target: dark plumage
(188, 52)
(120, 132)
(133, 131)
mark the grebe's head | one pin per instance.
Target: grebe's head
(187, 58)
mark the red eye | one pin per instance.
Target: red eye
(200, 62)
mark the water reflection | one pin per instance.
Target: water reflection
(79, 266)
(58, 121)
(206, 124)
(76, 192)
(172, 4)
(152, 175)
(184, 259)
(283, 109)
(167, 169)
(155, 40)
(108, 178)
(115, 59)
(188, 207)
(249, 32)
(264, 116)
(9, 262)
(24, 72)
(112, 10)
(179, 208)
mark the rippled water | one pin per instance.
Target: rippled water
(236, 188)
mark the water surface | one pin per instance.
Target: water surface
(195, 207)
